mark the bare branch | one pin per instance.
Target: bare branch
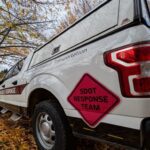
(6, 29)
(25, 46)
(4, 55)
(4, 37)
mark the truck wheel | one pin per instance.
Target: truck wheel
(50, 127)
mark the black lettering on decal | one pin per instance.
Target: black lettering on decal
(88, 91)
(90, 107)
(100, 99)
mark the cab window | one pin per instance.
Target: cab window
(10, 72)
(15, 69)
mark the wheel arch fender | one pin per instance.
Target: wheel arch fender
(45, 85)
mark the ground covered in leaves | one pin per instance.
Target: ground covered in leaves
(18, 136)
(15, 135)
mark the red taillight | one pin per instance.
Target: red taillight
(130, 63)
(135, 54)
(142, 85)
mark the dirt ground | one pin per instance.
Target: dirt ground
(18, 136)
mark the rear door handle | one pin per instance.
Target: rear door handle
(15, 82)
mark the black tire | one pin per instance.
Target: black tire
(50, 127)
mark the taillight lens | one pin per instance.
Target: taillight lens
(142, 85)
(130, 63)
(135, 54)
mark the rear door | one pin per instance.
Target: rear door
(12, 88)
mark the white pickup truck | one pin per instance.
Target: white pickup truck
(92, 80)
